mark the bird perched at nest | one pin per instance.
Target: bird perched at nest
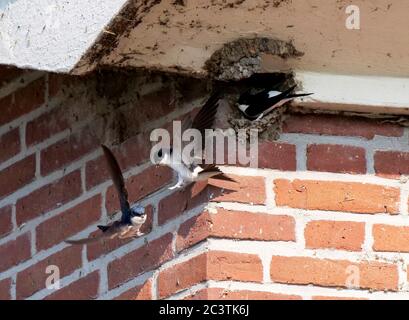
(192, 172)
(255, 106)
(132, 219)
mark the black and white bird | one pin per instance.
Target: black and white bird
(192, 172)
(132, 218)
(256, 106)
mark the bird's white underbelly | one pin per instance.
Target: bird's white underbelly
(137, 221)
(182, 171)
(243, 107)
(273, 93)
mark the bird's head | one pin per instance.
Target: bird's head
(245, 98)
(138, 211)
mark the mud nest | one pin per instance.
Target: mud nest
(241, 58)
(269, 127)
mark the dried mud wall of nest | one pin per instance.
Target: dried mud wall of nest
(241, 58)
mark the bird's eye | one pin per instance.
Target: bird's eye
(160, 153)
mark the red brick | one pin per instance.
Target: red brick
(336, 125)
(46, 125)
(83, 289)
(393, 164)
(17, 175)
(25, 100)
(7, 105)
(182, 276)
(5, 288)
(198, 193)
(235, 225)
(223, 266)
(8, 74)
(189, 197)
(336, 158)
(157, 104)
(57, 81)
(140, 186)
(173, 205)
(194, 231)
(10, 144)
(103, 247)
(141, 292)
(133, 152)
(214, 265)
(337, 196)
(6, 224)
(33, 279)
(253, 226)
(280, 156)
(151, 106)
(333, 273)
(244, 190)
(390, 238)
(271, 155)
(68, 150)
(146, 258)
(343, 235)
(48, 197)
(96, 172)
(14, 252)
(224, 294)
(68, 223)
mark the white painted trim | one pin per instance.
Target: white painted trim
(392, 92)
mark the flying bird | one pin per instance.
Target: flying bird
(256, 106)
(192, 172)
(132, 217)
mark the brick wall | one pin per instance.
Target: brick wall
(330, 199)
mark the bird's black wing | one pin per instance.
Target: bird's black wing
(205, 117)
(203, 120)
(119, 183)
(260, 102)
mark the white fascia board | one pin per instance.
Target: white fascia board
(51, 35)
(375, 91)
